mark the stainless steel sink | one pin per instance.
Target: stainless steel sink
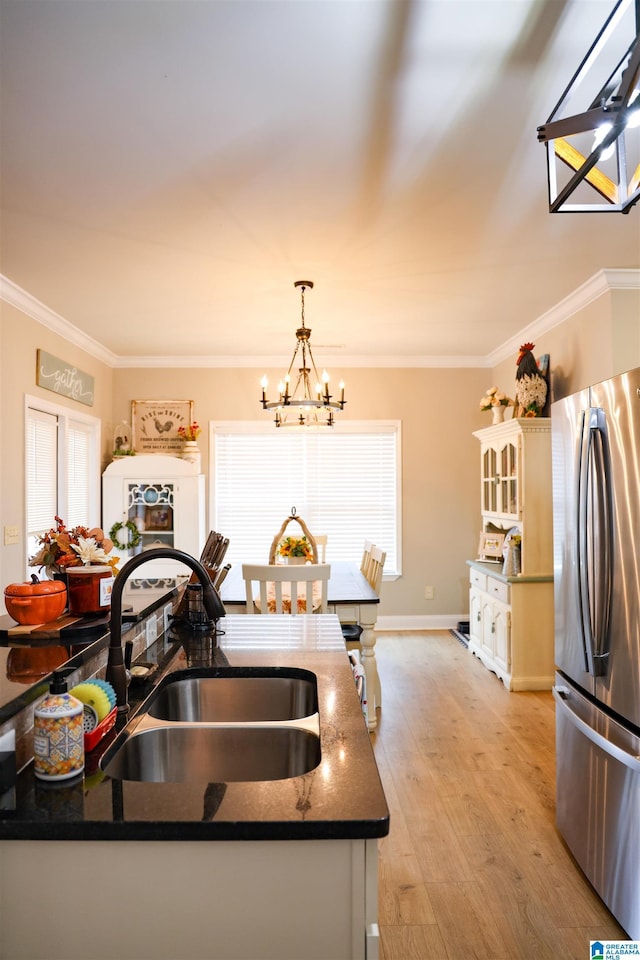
(210, 754)
(235, 698)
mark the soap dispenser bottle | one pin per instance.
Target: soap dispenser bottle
(58, 733)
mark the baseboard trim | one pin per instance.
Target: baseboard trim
(444, 621)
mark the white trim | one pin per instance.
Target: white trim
(600, 283)
(595, 287)
(13, 294)
(260, 363)
(64, 415)
(443, 621)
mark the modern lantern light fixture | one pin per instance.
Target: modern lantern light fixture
(308, 399)
(593, 156)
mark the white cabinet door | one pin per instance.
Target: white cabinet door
(475, 615)
(488, 627)
(502, 635)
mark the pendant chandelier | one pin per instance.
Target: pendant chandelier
(307, 403)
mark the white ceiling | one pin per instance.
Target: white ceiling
(171, 167)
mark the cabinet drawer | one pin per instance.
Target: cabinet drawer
(478, 579)
(499, 590)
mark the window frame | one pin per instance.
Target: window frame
(65, 417)
(358, 427)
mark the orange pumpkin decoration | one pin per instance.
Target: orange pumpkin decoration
(36, 602)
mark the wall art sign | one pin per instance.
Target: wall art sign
(155, 425)
(63, 378)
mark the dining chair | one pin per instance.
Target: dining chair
(366, 557)
(321, 542)
(376, 568)
(372, 567)
(286, 588)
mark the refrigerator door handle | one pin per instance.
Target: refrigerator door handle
(595, 539)
(631, 760)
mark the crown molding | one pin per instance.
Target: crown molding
(14, 295)
(595, 287)
(592, 289)
(262, 363)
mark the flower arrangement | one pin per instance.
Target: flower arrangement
(61, 548)
(494, 398)
(295, 547)
(192, 432)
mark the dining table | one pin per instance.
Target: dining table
(351, 598)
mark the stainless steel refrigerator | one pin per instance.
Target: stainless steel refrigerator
(596, 505)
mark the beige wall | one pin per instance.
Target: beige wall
(438, 408)
(20, 338)
(597, 342)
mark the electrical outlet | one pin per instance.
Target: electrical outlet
(11, 535)
(152, 630)
(428, 593)
(167, 613)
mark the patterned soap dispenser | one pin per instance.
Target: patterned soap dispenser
(58, 733)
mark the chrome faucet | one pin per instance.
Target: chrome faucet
(116, 673)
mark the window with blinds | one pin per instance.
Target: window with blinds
(62, 470)
(343, 482)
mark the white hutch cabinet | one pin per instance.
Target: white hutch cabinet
(511, 617)
(163, 497)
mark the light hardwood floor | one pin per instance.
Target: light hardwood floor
(473, 866)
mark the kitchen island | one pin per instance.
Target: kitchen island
(292, 871)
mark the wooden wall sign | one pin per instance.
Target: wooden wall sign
(63, 378)
(155, 425)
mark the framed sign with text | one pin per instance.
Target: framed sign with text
(64, 378)
(155, 425)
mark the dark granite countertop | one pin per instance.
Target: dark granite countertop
(342, 798)
(29, 654)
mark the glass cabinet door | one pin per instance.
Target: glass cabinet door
(151, 507)
(489, 486)
(509, 479)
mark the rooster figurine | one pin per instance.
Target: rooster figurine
(531, 386)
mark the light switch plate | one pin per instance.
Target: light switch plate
(11, 535)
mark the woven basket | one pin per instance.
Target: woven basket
(305, 530)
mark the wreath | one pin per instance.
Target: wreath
(134, 536)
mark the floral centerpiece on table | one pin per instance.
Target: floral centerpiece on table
(190, 432)
(61, 548)
(495, 398)
(295, 547)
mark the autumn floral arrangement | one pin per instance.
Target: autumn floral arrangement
(295, 547)
(61, 548)
(494, 398)
(190, 432)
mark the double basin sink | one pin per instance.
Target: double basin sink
(218, 725)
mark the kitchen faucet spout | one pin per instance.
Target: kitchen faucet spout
(116, 673)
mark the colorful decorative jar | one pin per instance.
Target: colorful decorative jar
(90, 590)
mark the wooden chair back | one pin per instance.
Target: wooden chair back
(366, 557)
(286, 588)
(321, 544)
(376, 568)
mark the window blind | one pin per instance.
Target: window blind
(343, 482)
(78, 442)
(42, 470)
